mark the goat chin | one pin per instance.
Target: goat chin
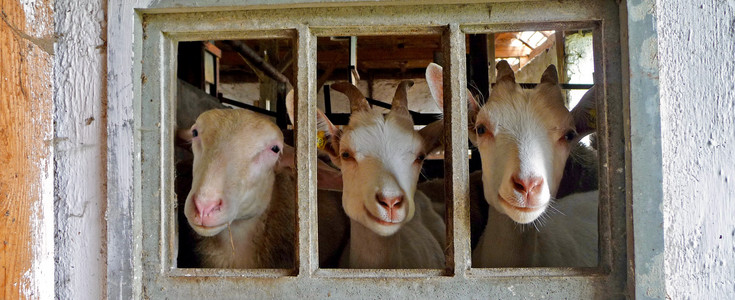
(418, 243)
(565, 238)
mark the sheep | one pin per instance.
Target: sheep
(391, 224)
(524, 139)
(242, 202)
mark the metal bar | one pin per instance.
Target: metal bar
(258, 61)
(327, 100)
(418, 119)
(564, 86)
(456, 168)
(307, 252)
(479, 62)
(248, 106)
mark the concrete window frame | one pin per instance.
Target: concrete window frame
(625, 116)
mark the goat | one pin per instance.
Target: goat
(391, 224)
(524, 139)
(241, 202)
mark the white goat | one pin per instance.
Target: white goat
(524, 139)
(241, 201)
(391, 225)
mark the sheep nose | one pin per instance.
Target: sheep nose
(389, 202)
(529, 186)
(206, 208)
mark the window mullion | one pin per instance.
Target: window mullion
(457, 165)
(306, 169)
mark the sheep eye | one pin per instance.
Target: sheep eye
(275, 149)
(420, 158)
(345, 155)
(570, 135)
(194, 133)
(481, 129)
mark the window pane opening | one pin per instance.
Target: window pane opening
(533, 183)
(377, 85)
(234, 155)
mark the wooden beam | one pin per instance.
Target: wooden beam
(260, 64)
(561, 56)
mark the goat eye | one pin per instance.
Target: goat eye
(275, 149)
(570, 135)
(345, 155)
(420, 158)
(481, 129)
(194, 133)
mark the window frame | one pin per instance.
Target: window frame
(154, 104)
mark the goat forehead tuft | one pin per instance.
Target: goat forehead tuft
(373, 135)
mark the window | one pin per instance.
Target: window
(156, 218)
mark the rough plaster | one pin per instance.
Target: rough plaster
(696, 51)
(80, 152)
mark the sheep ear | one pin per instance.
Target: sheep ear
(435, 80)
(331, 134)
(585, 114)
(357, 99)
(550, 76)
(184, 134)
(433, 136)
(505, 72)
(290, 106)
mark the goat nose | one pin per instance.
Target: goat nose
(205, 208)
(389, 202)
(527, 186)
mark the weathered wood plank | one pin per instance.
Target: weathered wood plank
(26, 205)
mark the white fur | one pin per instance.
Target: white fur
(520, 135)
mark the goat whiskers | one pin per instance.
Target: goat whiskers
(232, 244)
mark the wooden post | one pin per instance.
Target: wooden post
(26, 131)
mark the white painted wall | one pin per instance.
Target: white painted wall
(696, 53)
(81, 147)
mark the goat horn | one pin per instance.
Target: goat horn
(505, 72)
(357, 100)
(400, 100)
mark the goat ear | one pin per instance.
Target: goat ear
(332, 135)
(435, 80)
(585, 114)
(357, 99)
(473, 108)
(505, 72)
(550, 76)
(290, 106)
(433, 136)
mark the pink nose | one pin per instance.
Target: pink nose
(391, 204)
(528, 187)
(207, 210)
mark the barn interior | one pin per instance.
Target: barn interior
(257, 74)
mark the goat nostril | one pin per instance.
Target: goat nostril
(392, 202)
(518, 184)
